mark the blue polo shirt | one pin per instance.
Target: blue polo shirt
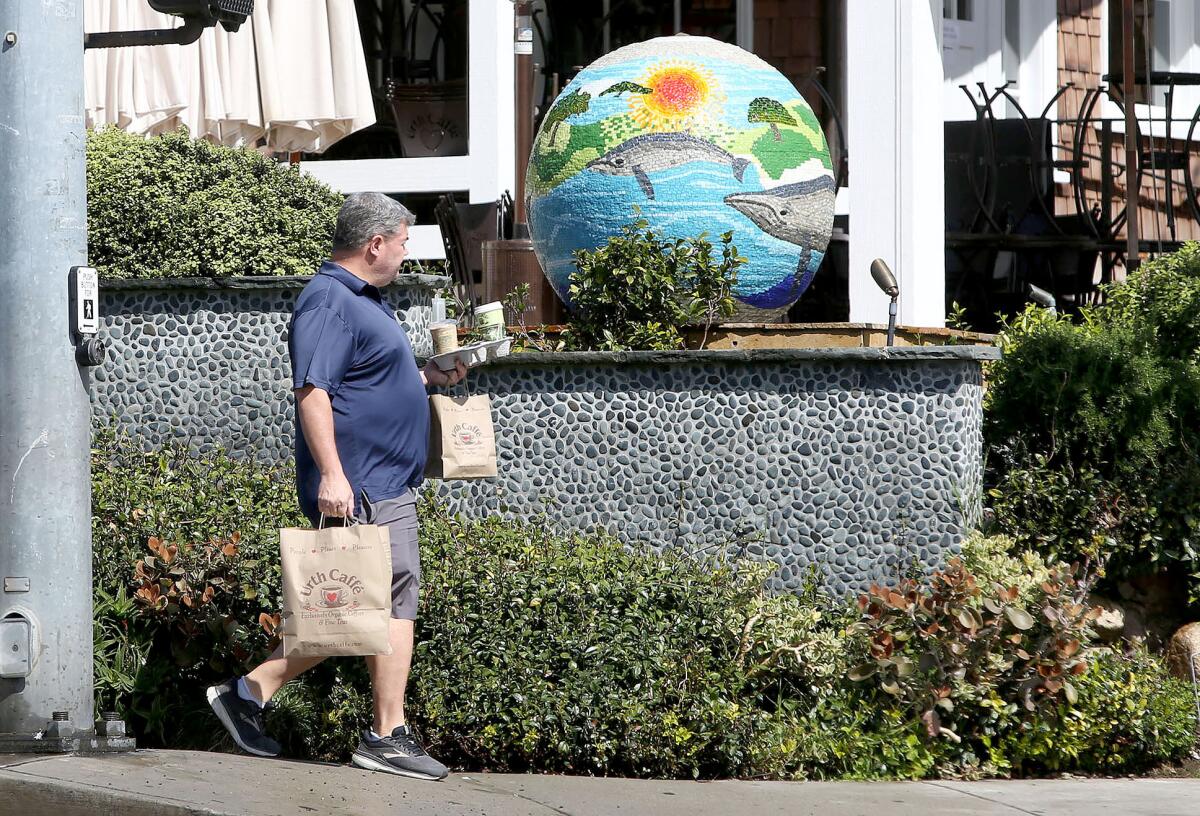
(344, 340)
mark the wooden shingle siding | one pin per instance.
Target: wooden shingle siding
(788, 35)
(1081, 62)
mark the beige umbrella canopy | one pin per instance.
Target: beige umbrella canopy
(294, 77)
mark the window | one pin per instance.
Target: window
(577, 32)
(958, 10)
(416, 54)
(1151, 42)
(455, 131)
(573, 34)
(1164, 39)
(994, 42)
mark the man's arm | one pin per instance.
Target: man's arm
(335, 497)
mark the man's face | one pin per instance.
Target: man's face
(392, 250)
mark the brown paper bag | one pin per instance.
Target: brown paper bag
(462, 440)
(337, 590)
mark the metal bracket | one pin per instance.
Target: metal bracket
(188, 33)
(80, 743)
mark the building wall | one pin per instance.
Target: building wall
(1081, 61)
(850, 464)
(788, 34)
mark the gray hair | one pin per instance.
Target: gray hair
(365, 215)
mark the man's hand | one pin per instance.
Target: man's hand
(435, 376)
(335, 497)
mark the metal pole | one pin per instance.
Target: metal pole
(1128, 88)
(45, 494)
(523, 49)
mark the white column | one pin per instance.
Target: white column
(895, 137)
(491, 95)
(1037, 77)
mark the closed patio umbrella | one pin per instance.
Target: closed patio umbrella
(294, 78)
(138, 90)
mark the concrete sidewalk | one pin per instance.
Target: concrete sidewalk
(172, 783)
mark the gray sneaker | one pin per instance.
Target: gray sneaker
(243, 719)
(397, 753)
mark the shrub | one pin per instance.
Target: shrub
(120, 648)
(997, 560)
(1131, 715)
(541, 651)
(545, 652)
(999, 674)
(934, 648)
(172, 206)
(186, 570)
(638, 290)
(968, 661)
(1093, 429)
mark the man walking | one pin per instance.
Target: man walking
(361, 444)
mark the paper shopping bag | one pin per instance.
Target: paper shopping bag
(462, 439)
(337, 590)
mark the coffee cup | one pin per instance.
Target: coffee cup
(489, 320)
(445, 336)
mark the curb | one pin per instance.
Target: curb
(39, 796)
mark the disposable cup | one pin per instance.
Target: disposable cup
(489, 320)
(445, 336)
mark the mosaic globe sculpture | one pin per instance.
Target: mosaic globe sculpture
(699, 136)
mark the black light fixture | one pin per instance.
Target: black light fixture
(886, 281)
(229, 13)
(197, 15)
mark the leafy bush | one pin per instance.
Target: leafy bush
(1131, 715)
(544, 652)
(539, 651)
(997, 560)
(638, 290)
(185, 565)
(560, 652)
(120, 648)
(1093, 429)
(976, 677)
(937, 649)
(172, 206)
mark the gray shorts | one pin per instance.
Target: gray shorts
(399, 515)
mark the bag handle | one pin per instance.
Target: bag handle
(366, 502)
(463, 386)
(352, 521)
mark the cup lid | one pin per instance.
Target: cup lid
(489, 307)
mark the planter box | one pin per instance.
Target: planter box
(845, 465)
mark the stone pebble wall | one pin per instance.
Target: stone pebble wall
(852, 469)
(202, 362)
(850, 464)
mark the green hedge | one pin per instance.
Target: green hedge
(151, 664)
(1093, 429)
(172, 206)
(546, 651)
